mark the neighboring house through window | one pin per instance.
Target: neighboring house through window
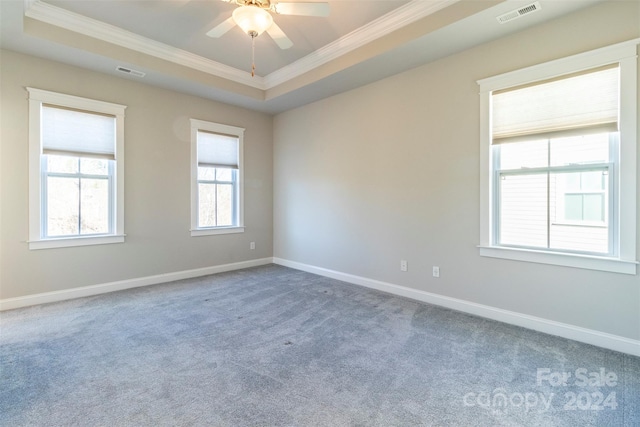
(76, 168)
(216, 178)
(559, 162)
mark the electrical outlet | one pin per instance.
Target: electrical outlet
(403, 265)
(252, 245)
(436, 271)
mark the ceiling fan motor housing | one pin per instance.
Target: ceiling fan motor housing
(253, 20)
(262, 4)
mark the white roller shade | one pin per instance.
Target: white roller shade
(587, 101)
(66, 131)
(216, 150)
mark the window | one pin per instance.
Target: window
(558, 163)
(554, 193)
(76, 168)
(216, 176)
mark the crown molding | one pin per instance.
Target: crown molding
(71, 21)
(386, 24)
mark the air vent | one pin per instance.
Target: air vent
(130, 71)
(515, 14)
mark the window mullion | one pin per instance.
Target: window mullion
(215, 195)
(497, 206)
(79, 198)
(557, 169)
(549, 194)
(549, 210)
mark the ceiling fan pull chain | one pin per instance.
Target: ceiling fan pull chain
(253, 55)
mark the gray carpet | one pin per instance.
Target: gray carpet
(272, 346)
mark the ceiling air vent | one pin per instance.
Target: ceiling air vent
(130, 71)
(515, 14)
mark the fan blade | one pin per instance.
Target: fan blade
(279, 36)
(221, 29)
(302, 9)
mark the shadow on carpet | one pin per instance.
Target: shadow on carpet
(273, 346)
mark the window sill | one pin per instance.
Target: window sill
(613, 265)
(67, 242)
(217, 230)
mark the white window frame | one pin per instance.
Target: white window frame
(38, 97)
(201, 125)
(624, 195)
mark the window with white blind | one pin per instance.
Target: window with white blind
(216, 178)
(559, 162)
(76, 165)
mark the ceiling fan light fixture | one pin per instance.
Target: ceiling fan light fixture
(252, 20)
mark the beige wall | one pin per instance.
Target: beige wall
(157, 188)
(390, 171)
(363, 179)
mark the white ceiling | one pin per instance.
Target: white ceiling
(360, 42)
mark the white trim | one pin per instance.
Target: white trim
(628, 157)
(37, 97)
(612, 265)
(87, 291)
(386, 24)
(77, 102)
(75, 241)
(238, 132)
(576, 333)
(625, 54)
(77, 23)
(216, 230)
(558, 67)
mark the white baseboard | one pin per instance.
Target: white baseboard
(576, 333)
(86, 291)
(589, 336)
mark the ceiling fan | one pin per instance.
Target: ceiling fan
(254, 18)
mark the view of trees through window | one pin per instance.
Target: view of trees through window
(77, 195)
(215, 196)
